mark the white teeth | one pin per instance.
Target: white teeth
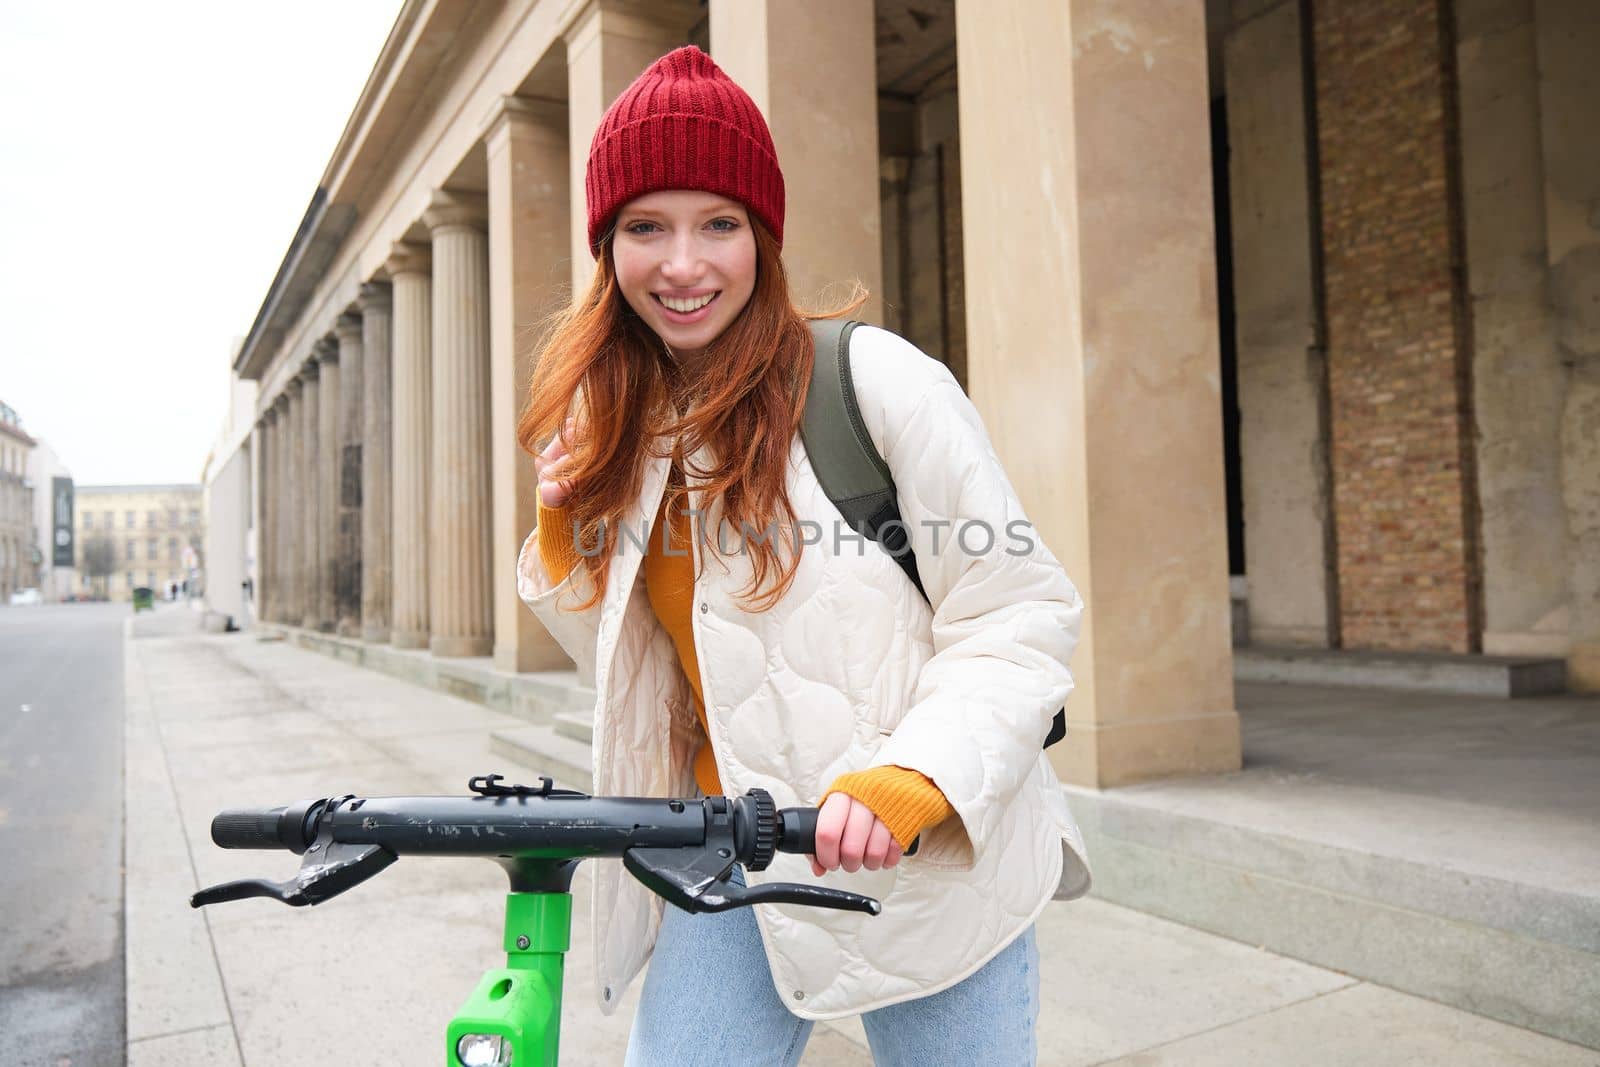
(686, 306)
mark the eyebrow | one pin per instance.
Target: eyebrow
(726, 207)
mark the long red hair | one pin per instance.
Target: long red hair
(602, 363)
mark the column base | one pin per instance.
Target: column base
(410, 639)
(1125, 753)
(1583, 667)
(375, 635)
(310, 622)
(458, 647)
(515, 659)
(349, 627)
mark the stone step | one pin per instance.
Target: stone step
(1429, 672)
(536, 696)
(1524, 953)
(578, 725)
(543, 750)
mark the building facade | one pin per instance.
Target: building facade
(19, 563)
(53, 509)
(228, 583)
(1279, 313)
(138, 535)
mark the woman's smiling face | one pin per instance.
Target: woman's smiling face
(686, 263)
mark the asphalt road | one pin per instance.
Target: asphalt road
(61, 977)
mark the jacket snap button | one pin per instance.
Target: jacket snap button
(799, 995)
(704, 607)
(607, 993)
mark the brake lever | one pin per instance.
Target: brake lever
(697, 882)
(329, 868)
(811, 896)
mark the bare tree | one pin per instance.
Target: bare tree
(99, 560)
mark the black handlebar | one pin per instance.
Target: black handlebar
(681, 849)
(799, 831)
(289, 826)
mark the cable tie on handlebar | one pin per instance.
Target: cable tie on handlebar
(488, 785)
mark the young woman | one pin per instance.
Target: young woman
(739, 635)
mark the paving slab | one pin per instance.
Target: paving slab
(211, 1046)
(1365, 1024)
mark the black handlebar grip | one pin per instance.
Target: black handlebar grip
(249, 828)
(799, 831)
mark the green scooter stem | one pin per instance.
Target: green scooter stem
(521, 1001)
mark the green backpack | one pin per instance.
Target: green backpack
(848, 465)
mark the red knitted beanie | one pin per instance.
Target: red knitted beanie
(683, 124)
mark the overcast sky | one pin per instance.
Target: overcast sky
(155, 159)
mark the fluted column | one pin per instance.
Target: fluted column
(528, 246)
(327, 483)
(307, 498)
(347, 555)
(376, 449)
(412, 343)
(459, 521)
(281, 508)
(261, 492)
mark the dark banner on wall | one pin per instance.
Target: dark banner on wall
(65, 554)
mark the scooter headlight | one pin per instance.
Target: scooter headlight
(483, 1050)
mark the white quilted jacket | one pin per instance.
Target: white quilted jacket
(851, 669)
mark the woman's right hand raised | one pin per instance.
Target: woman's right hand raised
(553, 461)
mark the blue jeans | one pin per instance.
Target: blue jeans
(708, 998)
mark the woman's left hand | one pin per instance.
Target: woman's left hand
(850, 836)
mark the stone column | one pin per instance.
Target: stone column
(461, 621)
(375, 466)
(1517, 368)
(1108, 391)
(811, 69)
(260, 602)
(1282, 359)
(1569, 97)
(281, 507)
(408, 269)
(326, 608)
(352, 398)
(308, 496)
(608, 45)
(528, 270)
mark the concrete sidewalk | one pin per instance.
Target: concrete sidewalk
(219, 721)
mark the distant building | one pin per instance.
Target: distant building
(138, 535)
(19, 567)
(54, 531)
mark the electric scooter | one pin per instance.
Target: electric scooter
(683, 850)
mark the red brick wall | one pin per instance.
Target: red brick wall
(1398, 342)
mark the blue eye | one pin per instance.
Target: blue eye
(643, 227)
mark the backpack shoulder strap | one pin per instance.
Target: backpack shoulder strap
(846, 462)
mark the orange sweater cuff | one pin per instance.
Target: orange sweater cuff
(556, 549)
(904, 800)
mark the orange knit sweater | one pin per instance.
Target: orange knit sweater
(907, 802)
